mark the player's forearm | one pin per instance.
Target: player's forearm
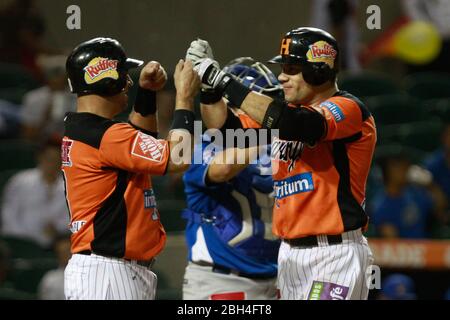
(255, 105)
(180, 137)
(148, 123)
(214, 115)
(229, 163)
(183, 102)
(181, 143)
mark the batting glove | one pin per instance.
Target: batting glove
(199, 50)
(211, 74)
(221, 82)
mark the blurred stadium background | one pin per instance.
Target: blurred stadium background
(398, 71)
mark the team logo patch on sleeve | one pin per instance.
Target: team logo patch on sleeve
(150, 202)
(334, 109)
(149, 199)
(147, 147)
(66, 145)
(327, 291)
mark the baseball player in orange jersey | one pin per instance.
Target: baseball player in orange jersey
(232, 252)
(320, 161)
(107, 165)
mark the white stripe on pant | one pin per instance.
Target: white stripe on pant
(344, 264)
(93, 277)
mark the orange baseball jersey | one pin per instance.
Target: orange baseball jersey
(246, 121)
(107, 167)
(320, 189)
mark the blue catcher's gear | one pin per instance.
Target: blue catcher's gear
(229, 223)
(255, 76)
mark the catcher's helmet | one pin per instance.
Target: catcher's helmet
(99, 66)
(255, 76)
(315, 50)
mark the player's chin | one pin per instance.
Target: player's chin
(288, 94)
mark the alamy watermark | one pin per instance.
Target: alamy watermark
(374, 20)
(373, 277)
(73, 21)
(231, 146)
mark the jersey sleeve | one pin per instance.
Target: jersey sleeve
(238, 119)
(247, 122)
(196, 174)
(343, 117)
(129, 149)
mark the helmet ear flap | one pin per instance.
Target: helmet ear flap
(317, 74)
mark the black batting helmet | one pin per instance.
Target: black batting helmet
(315, 50)
(99, 66)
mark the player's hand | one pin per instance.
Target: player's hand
(210, 73)
(199, 50)
(153, 76)
(187, 83)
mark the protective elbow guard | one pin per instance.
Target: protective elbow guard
(295, 124)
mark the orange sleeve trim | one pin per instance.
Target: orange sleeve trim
(247, 122)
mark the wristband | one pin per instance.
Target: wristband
(222, 82)
(145, 103)
(234, 91)
(210, 96)
(183, 119)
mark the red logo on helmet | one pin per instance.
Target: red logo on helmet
(322, 51)
(99, 68)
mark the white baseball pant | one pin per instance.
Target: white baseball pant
(326, 272)
(94, 277)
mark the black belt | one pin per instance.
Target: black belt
(224, 270)
(143, 263)
(313, 241)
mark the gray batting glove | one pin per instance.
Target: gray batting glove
(210, 73)
(199, 50)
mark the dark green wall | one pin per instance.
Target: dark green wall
(162, 30)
